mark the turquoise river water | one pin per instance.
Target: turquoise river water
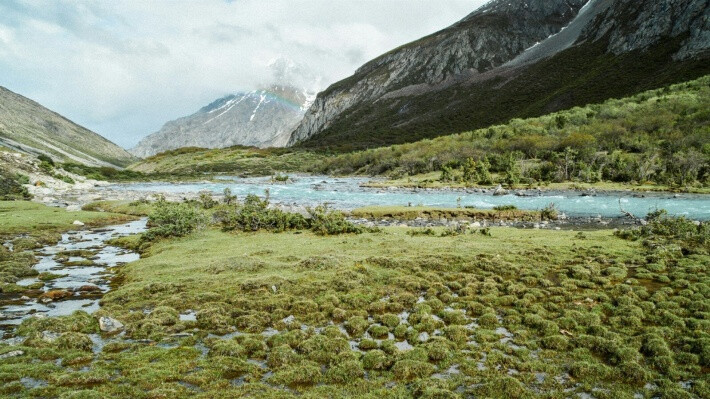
(347, 193)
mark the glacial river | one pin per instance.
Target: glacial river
(347, 193)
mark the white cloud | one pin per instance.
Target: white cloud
(123, 68)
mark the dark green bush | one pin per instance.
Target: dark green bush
(171, 219)
(254, 214)
(661, 229)
(324, 221)
(11, 187)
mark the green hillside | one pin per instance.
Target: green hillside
(29, 127)
(660, 135)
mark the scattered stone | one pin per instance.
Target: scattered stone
(110, 325)
(12, 354)
(73, 208)
(181, 335)
(49, 336)
(78, 223)
(55, 295)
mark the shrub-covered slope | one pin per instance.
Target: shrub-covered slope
(659, 135)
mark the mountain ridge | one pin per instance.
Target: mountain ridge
(27, 126)
(345, 116)
(259, 118)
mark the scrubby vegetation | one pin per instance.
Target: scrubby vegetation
(11, 186)
(659, 136)
(174, 219)
(505, 213)
(47, 165)
(254, 214)
(178, 219)
(104, 173)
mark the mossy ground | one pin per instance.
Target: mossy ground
(28, 226)
(519, 313)
(24, 217)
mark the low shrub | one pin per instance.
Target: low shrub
(170, 219)
(254, 214)
(324, 221)
(11, 188)
(661, 229)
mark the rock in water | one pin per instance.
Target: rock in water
(110, 325)
(500, 190)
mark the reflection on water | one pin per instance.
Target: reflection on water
(85, 280)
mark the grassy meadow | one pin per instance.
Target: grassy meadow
(285, 312)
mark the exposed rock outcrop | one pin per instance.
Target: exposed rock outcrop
(512, 59)
(488, 37)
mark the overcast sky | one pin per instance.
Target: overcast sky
(123, 68)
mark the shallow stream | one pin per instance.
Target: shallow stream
(82, 261)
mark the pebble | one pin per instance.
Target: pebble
(12, 354)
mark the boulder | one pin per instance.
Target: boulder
(500, 190)
(78, 223)
(110, 325)
(49, 336)
(55, 295)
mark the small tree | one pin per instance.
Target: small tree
(512, 171)
(229, 198)
(483, 171)
(447, 174)
(469, 171)
(568, 157)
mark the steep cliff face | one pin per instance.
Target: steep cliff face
(486, 38)
(637, 25)
(511, 59)
(261, 118)
(28, 127)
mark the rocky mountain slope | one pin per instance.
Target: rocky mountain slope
(511, 59)
(261, 118)
(28, 127)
